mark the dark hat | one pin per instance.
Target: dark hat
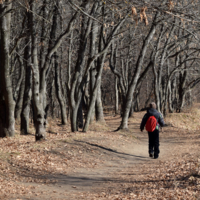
(152, 105)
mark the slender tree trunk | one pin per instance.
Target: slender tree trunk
(69, 73)
(59, 92)
(93, 73)
(44, 39)
(19, 82)
(156, 89)
(98, 105)
(166, 102)
(182, 100)
(190, 98)
(28, 82)
(19, 102)
(80, 114)
(93, 70)
(170, 98)
(27, 93)
(116, 96)
(132, 108)
(74, 123)
(156, 74)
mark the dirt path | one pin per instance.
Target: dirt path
(115, 155)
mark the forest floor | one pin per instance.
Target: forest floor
(102, 163)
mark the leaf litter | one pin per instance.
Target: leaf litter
(23, 161)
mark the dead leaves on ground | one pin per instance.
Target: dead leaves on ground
(22, 160)
(25, 165)
(175, 179)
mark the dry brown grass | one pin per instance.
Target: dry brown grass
(98, 126)
(188, 119)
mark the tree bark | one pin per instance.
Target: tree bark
(116, 96)
(39, 121)
(69, 73)
(93, 70)
(28, 85)
(98, 105)
(20, 95)
(6, 83)
(24, 127)
(59, 92)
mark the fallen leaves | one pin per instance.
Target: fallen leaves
(178, 178)
(26, 166)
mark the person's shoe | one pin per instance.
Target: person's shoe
(151, 155)
(155, 157)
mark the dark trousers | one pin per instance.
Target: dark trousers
(154, 143)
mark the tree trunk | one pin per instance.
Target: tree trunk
(74, 113)
(43, 38)
(156, 89)
(93, 73)
(69, 73)
(98, 105)
(132, 108)
(28, 83)
(80, 115)
(39, 121)
(170, 98)
(182, 100)
(59, 92)
(6, 83)
(93, 70)
(116, 96)
(19, 102)
(27, 93)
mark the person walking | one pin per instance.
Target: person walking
(152, 120)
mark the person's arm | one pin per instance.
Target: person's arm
(144, 120)
(161, 120)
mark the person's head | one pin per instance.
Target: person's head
(152, 105)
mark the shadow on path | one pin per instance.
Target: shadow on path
(111, 150)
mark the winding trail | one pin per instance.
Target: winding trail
(116, 156)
